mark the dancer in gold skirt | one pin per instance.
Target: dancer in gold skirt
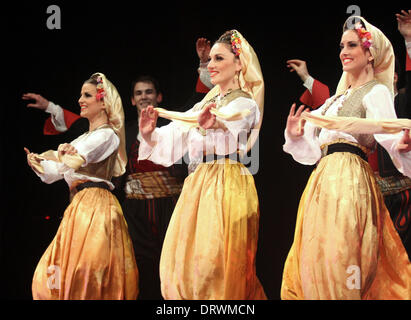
(91, 256)
(211, 242)
(345, 245)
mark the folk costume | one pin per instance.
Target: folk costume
(91, 256)
(211, 242)
(345, 245)
(147, 193)
(394, 186)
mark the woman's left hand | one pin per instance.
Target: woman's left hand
(30, 157)
(206, 119)
(404, 24)
(66, 148)
(203, 47)
(404, 145)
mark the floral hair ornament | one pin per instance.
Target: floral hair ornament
(236, 43)
(364, 35)
(100, 89)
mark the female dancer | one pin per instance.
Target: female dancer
(345, 245)
(91, 256)
(210, 245)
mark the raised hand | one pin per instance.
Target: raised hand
(30, 157)
(203, 48)
(295, 125)
(206, 119)
(40, 102)
(404, 24)
(148, 122)
(404, 145)
(300, 67)
(66, 148)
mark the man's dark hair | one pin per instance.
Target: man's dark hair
(145, 78)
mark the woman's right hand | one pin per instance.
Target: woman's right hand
(299, 66)
(30, 157)
(148, 122)
(206, 119)
(39, 101)
(295, 125)
(66, 148)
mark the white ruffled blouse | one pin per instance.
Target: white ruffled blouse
(174, 140)
(379, 105)
(93, 146)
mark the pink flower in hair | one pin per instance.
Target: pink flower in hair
(367, 44)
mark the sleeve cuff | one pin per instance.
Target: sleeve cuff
(145, 150)
(203, 65)
(52, 108)
(408, 46)
(309, 82)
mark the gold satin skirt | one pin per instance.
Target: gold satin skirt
(345, 245)
(91, 257)
(211, 242)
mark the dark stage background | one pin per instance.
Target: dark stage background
(124, 39)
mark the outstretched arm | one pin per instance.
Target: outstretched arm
(317, 93)
(61, 119)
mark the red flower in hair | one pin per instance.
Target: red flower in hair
(100, 89)
(364, 35)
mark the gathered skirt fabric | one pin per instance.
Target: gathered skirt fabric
(91, 257)
(211, 242)
(345, 245)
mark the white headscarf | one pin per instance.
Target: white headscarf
(251, 81)
(115, 112)
(383, 54)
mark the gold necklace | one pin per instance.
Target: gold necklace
(218, 99)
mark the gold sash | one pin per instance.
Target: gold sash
(151, 185)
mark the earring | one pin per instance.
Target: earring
(237, 76)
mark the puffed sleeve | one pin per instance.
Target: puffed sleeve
(53, 171)
(379, 105)
(238, 105)
(170, 144)
(97, 145)
(305, 149)
(57, 116)
(235, 137)
(92, 147)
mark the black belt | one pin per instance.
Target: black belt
(91, 184)
(345, 147)
(212, 157)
